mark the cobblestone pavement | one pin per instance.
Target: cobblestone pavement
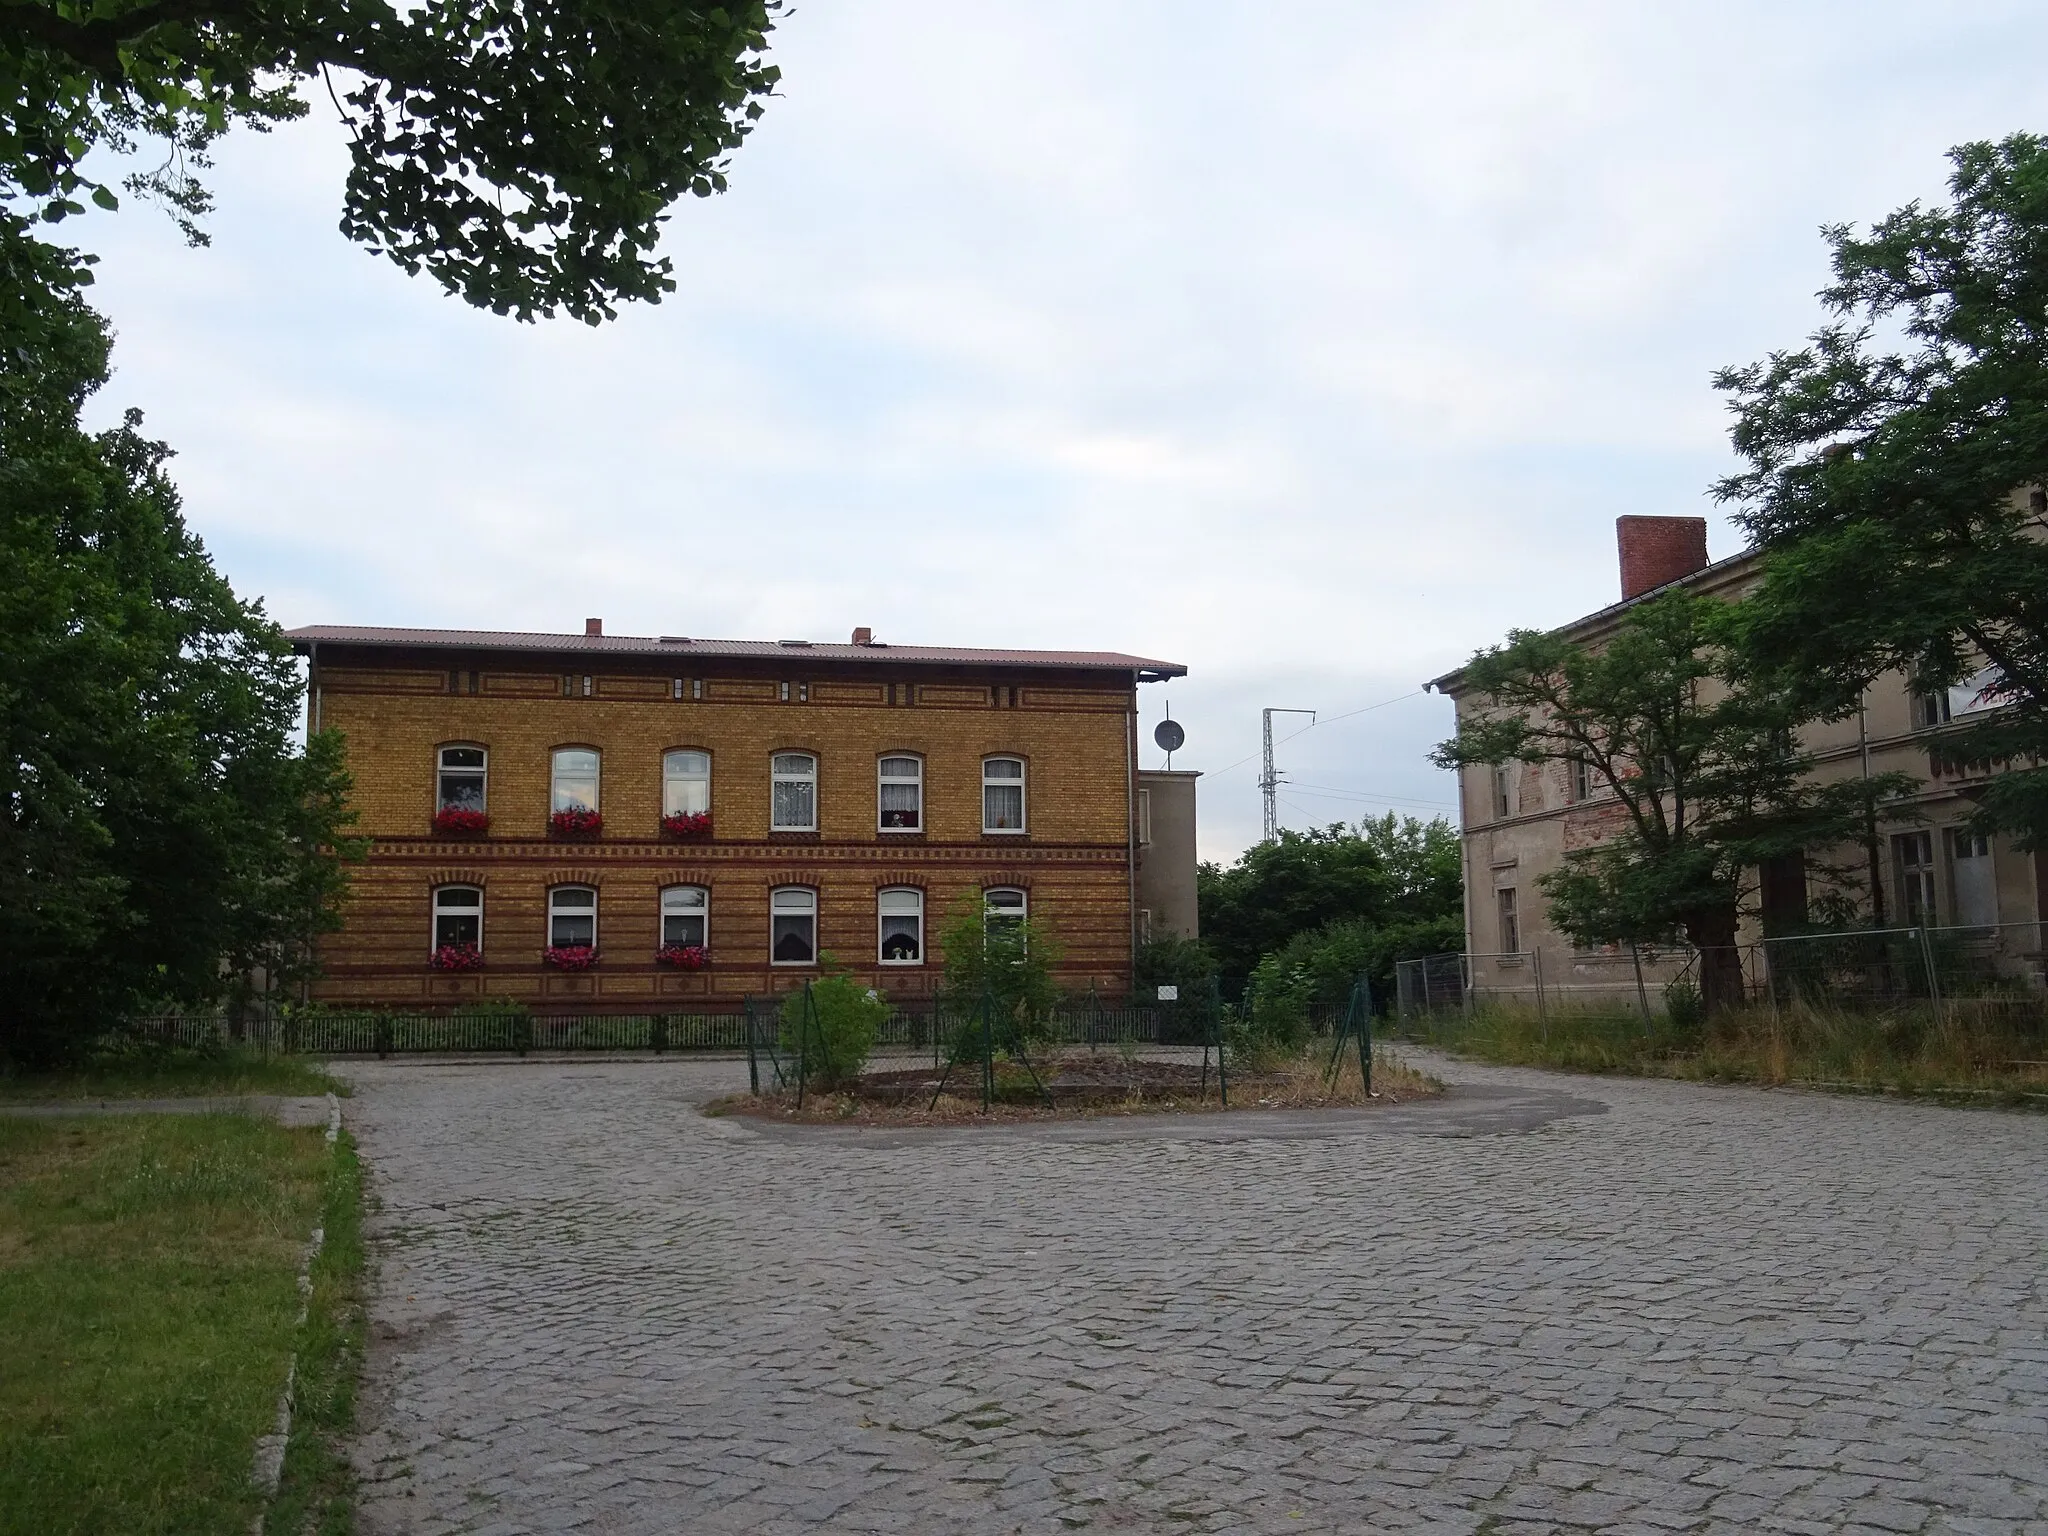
(1544, 1304)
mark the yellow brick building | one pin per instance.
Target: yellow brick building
(595, 822)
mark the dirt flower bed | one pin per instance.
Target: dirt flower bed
(1084, 1083)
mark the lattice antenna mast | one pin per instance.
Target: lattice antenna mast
(1269, 781)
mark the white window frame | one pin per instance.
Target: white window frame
(778, 777)
(1503, 790)
(776, 909)
(1582, 779)
(702, 913)
(1144, 818)
(884, 779)
(557, 890)
(434, 944)
(1020, 783)
(669, 777)
(882, 916)
(555, 801)
(1507, 914)
(1022, 913)
(483, 774)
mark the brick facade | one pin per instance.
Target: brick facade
(396, 706)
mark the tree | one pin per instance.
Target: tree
(1896, 468)
(158, 831)
(1699, 755)
(1399, 875)
(524, 154)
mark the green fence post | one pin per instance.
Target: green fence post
(988, 1052)
(753, 1060)
(803, 1045)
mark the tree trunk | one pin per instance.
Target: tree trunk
(1712, 932)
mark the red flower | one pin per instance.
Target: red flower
(571, 957)
(687, 824)
(456, 957)
(684, 957)
(577, 821)
(460, 819)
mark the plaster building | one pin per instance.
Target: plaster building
(1519, 821)
(596, 822)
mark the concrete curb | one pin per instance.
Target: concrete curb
(270, 1449)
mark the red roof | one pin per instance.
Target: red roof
(679, 647)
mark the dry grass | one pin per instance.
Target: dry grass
(1089, 1085)
(1979, 1054)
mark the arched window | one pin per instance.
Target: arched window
(1002, 794)
(686, 783)
(572, 917)
(902, 794)
(793, 925)
(685, 916)
(1003, 910)
(575, 780)
(458, 917)
(899, 918)
(460, 783)
(794, 793)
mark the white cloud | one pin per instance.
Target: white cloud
(1312, 348)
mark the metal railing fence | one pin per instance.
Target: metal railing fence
(912, 1026)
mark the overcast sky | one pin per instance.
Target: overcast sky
(1311, 346)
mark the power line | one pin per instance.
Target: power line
(1325, 720)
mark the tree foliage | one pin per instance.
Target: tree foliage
(1895, 464)
(523, 154)
(832, 1025)
(1397, 875)
(160, 832)
(1699, 756)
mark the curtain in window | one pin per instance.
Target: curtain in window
(902, 926)
(572, 917)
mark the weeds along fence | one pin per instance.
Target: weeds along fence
(914, 1027)
(1997, 973)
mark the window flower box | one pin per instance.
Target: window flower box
(576, 822)
(572, 957)
(461, 821)
(456, 957)
(687, 824)
(684, 957)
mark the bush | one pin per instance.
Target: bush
(1684, 1006)
(1009, 965)
(835, 1036)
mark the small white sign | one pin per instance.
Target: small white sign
(1169, 994)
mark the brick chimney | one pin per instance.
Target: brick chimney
(593, 626)
(863, 636)
(1655, 550)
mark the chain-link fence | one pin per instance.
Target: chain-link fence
(1988, 971)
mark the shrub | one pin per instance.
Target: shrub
(1008, 964)
(836, 1034)
(1684, 1006)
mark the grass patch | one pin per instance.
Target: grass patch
(316, 1495)
(1963, 1051)
(148, 1278)
(149, 1072)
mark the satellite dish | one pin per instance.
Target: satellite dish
(1169, 735)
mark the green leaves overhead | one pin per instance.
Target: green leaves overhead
(1894, 466)
(524, 155)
